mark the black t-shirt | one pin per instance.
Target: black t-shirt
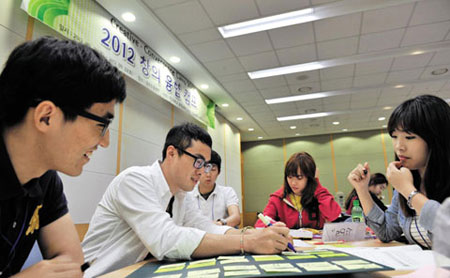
(24, 210)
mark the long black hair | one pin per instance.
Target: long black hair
(377, 178)
(305, 162)
(428, 117)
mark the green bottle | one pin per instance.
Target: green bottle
(357, 212)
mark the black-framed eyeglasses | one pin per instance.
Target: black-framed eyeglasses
(104, 121)
(199, 162)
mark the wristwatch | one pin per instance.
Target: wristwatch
(224, 221)
(411, 195)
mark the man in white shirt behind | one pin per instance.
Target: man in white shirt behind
(218, 203)
(144, 210)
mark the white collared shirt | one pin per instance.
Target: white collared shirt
(131, 221)
(216, 206)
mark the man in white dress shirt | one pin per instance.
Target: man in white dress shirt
(218, 203)
(144, 210)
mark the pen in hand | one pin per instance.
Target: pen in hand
(86, 265)
(268, 224)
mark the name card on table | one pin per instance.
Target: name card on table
(348, 231)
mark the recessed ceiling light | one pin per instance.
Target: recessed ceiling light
(384, 126)
(382, 118)
(336, 123)
(204, 86)
(239, 118)
(417, 52)
(304, 89)
(344, 129)
(292, 127)
(399, 86)
(251, 129)
(175, 59)
(297, 134)
(387, 107)
(128, 17)
(260, 137)
(439, 71)
(266, 23)
(225, 105)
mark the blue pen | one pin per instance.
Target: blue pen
(268, 224)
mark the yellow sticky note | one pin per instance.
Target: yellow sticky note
(170, 267)
(263, 258)
(202, 263)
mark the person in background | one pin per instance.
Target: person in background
(377, 184)
(144, 210)
(57, 100)
(420, 131)
(302, 201)
(219, 203)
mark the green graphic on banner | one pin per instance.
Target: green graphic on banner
(87, 22)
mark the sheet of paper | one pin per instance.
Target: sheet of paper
(230, 257)
(203, 273)
(241, 273)
(301, 243)
(239, 267)
(318, 266)
(279, 268)
(332, 255)
(300, 233)
(233, 261)
(361, 266)
(348, 231)
(170, 267)
(263, 258)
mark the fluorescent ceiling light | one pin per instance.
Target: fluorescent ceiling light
(304, 116)
(305, 97)
(267, 23)
(225, 105)
(354, 59)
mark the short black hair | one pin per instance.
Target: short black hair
(378, 178)
(70, 74)
(216, 159)
(181, 136)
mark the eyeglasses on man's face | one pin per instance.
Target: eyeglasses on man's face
(199, 162)
(104, 122)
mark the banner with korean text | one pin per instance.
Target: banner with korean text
(87, 22)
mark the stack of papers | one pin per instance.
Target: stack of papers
(301, 233)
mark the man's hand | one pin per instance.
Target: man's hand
(271, 240)
(59, 267)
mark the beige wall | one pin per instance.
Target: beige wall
(264, 161)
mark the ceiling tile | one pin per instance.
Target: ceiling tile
(368, 95)
(270, 82)
(431, 11)
(233, 77)
(429, 87)
(380, 41)
(369, 80)
(276, 92)
(392, 91)
(427, 72)
(337, 48)
(292, 35)
(426, 33)
(302, 77)
(337, 72)
(337, 27)
(440, 58)
(230, 11)
(411, 61)
(297, 55)
(377, 66)
(156, 4)
(336, 84)
(386, 19)
(224, 67)
(404, 75)
(201, 36)
(239, 86)
(175, 17)
(259, 61)
(270, 7)
(250, 44)
(211, 51)
(295, 88)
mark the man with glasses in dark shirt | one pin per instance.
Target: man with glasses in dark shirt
(144, 211)
(57, 100)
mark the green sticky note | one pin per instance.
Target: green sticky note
(361, 266)
(202, 263)
(263, 258)
(242, 273)
(333, 255)
(170, 267)
(239, 267)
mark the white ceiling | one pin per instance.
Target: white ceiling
(367, 55)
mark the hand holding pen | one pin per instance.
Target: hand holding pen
(266, 221)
